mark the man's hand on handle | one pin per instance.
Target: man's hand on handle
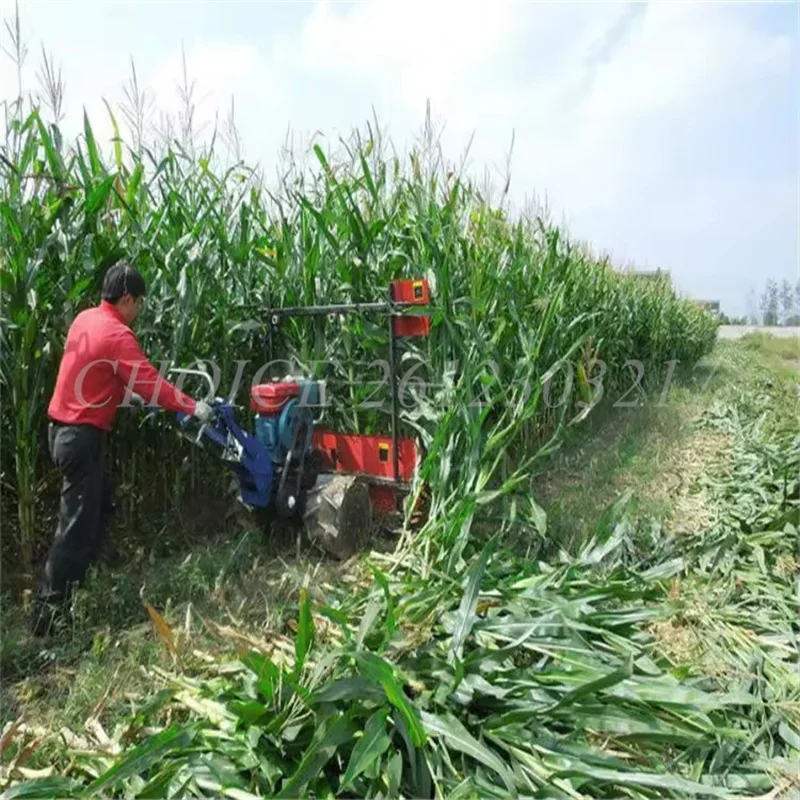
(202, 410)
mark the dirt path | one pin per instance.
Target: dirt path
(662, 455)
(655, 452)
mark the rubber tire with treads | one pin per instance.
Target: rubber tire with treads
(338, 514)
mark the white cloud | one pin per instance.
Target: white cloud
(680, 57)
(596, 94)
(410, 49)
(214, 71)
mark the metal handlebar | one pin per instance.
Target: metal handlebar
(182, 371)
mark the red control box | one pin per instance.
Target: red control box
(413, 291)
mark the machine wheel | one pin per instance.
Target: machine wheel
(338, 514)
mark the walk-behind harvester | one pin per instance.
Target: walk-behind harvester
(291, 466)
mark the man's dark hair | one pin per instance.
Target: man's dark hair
(122, 279)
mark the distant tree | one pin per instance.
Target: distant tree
(787, 301)
(724, 319)
(779, 304)
(769, 304)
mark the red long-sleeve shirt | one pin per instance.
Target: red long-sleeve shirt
(102, 360)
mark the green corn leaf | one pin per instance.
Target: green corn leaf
(146, 712)
(667, 569)
(791, 737)
(415, 758)
(669, 692)
(636, 724)
(316, 756)
(347, 689)
(53, 157)
(97, 198)
(249, 711)
(596, 686)
(56, 786)
(652, 780)
(268, 675)
(12, 223)
(381, 672)
(368, 178)
(117, 139)
(394, 771)
(239, 794)
(367, 621)
(391, 620)
(77, 289)
(370, 747)
(305, 631)
(91, 147)
(158, 785)
(133, 184)
(466, 615)
(321, 158)
(141, 758)
(456, 737)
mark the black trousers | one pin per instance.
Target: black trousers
(86, 504)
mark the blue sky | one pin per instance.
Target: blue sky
(663, 133)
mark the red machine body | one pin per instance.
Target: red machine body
(371, 457)
(270, 398)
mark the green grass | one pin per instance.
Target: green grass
(783, 348)
(590, 476)
(213, 576)
(244, 575)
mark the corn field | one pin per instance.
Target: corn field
(519, 310)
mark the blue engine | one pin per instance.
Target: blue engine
(284, 426)
(272, 464)
(289, 424)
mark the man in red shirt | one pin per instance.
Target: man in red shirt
(102, 368)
